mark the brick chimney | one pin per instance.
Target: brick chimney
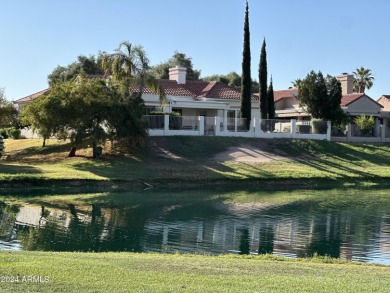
(346, 81)
(179, 74)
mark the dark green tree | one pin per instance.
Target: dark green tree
(232, 79)
(77, 111)
(246, 81)
(271, 101)
(263, 79)
(8, 113)
(87, 111)
(161, 71)
(83, 65)
(40, 115)
(321, 97)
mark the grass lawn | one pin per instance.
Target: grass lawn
(302, 160)
(126, 272)
(308, 163)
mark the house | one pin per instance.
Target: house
(192, 98)
(354, 104)
(384, 101)
(189, 98)
(287, 105)
(211, 108)
(24, 101)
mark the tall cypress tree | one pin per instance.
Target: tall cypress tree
(246, 82)
(271, 102)
(263, 82)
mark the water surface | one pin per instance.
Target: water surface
(352, 224)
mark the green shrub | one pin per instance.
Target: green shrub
(319, 126)
(303, 129)
(13, 133)
(365, 124)
(3, 133)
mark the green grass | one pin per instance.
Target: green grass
(305, 164)
(126, 272)
(302, 161)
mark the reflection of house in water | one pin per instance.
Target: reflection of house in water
(37, 216)
(384, 234)
(222, 235)
(292, 236)
(290, 230)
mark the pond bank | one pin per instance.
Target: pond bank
(259, 184)
(196, 161)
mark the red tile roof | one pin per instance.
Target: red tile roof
(348, 99)
(199, 89)
(31, 97)
(285, 94)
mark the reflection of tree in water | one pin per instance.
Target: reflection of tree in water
(266, 239)
(326, 236)
(121, 230)
(244, 242)
(7, 220)
(301, 228)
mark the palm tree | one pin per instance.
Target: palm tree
(363, 79)
(129, 66)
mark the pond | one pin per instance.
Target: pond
(351, 224)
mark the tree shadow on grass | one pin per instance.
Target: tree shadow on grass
(6, 169)
(114, 168)
(37, 154)
(343, 161)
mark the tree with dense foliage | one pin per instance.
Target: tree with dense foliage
(161, 71)
(321, 97)
(8, 113)
(88, 111)
(232, 79)
(296, 82)
(263, 80)
(83, 65)
(363, 80)
(271, 101)
(129, 67)
(39, 115)
(92, 110)
(246, 81)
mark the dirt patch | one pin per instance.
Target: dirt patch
(246, 153)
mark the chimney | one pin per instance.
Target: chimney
(346, 81)
(178, 74)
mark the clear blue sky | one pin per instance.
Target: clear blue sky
(332, 36)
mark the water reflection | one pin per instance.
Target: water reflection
(339, 227)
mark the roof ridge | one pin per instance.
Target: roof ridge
(32, 95)
(210, 85)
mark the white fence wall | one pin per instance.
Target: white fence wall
(258, 128)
